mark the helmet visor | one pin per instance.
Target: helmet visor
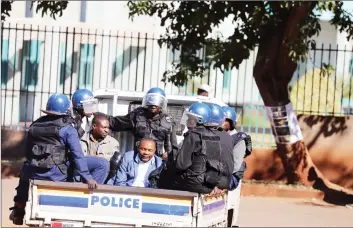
(216, 122)
(189, 119)
(155, 99)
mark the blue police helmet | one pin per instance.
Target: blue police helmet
(155, 96)
(201, 111)
(58, 104)
(79, 96)
(217, 115)
(156, 90)
(230, 113)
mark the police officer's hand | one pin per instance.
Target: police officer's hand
(165, 156)
(92, 184)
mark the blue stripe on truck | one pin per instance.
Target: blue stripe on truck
(63, 201)
(164, 209)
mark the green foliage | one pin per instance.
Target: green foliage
(189, 26)
(5, 9)
(55, 8)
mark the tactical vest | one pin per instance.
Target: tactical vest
(160, 129)
(247, 139)
(44, 149)
(207, 162)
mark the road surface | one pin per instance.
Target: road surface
(255, 211)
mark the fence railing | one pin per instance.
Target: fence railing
(39, 60)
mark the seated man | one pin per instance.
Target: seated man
(98, 142)
(136, 166)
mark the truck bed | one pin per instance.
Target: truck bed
(73, 204)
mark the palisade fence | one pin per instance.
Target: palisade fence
(39, 60)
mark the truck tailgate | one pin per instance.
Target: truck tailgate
(51, 202)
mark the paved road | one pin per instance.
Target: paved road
(255, 211)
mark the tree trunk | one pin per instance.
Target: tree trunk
(273, 71)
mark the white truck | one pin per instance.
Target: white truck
(54, 204)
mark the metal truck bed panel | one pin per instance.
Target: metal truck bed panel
(125, 206)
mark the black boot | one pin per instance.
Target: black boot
(17, 215)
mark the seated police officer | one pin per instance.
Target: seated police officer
(83, 120)
(52, 143)
(198, 166)
(242, 141)
(150, 120)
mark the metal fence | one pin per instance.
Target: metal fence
(39, 60)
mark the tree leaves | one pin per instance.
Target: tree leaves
(190, 25)
(5, 9)
(55, 8)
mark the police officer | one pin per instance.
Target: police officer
(198, 166)
(215, 123)
(52, 143)
(242, 140)
(83, 120)
(149, 120)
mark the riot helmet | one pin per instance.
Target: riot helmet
(230, 115)
(197, 114)
(155, 97)
(58, 104)
(217, 116)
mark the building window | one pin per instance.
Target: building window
(29, 12)
(83, 11)
(65, 64)
(4, 62)
(226, 78)
(30, 63)
(85, 78)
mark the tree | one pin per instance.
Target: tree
(55, 8)
(283, 33)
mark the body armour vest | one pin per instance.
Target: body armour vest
(44, 149)
(207, 162)
(160, 129)
(247, 139)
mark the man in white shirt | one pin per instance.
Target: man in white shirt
(136, 166)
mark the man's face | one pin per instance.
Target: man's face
(146, 149)
(226, 125)
(203, 93)
(153, 109)
(101, 129)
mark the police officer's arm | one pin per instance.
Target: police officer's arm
(171, 142)
(239, 151)
(184, 156)
(72, 141)
(119, 123)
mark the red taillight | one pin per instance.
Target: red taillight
(56, 224)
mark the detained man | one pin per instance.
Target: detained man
(137, 165)
(97, 142)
